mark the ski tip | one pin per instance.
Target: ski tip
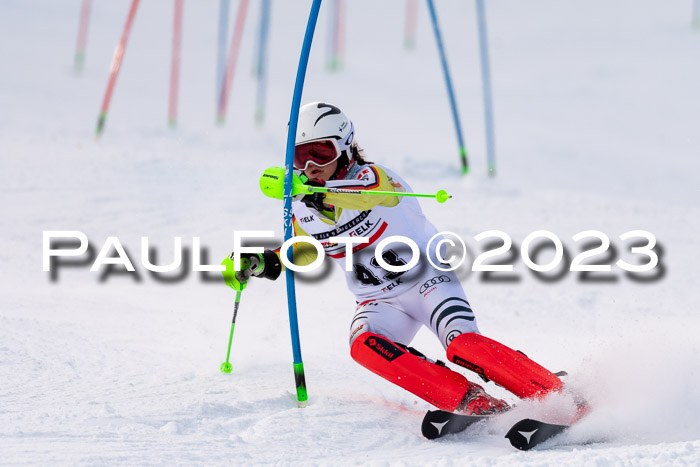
(431, 428)
(439, 423)
(528, 433)
(519, 436)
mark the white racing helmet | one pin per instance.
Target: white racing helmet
(324, 135)
(318, 120)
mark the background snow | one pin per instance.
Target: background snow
(597, 111)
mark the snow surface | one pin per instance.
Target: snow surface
(597, 109)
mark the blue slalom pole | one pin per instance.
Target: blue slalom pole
(486, 83)
(446, 71)
(221, 47)
(261, 70)
(300, 381)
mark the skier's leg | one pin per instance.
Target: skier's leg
(504, 366)
(441, 305)
(374, 331)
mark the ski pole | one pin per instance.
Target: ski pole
(441, 196)
(247, 272)
(226, 366)
(272, 185)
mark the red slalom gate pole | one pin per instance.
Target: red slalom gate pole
(175, 64)
(409, 40)
(82, 35)
(116, 64)
(232, 58)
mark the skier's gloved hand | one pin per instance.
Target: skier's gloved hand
(299, 178)
(266, 264)
(314, 200)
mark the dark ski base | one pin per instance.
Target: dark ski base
(528, 433)
(438, 423)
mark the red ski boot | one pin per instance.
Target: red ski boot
(477, 402)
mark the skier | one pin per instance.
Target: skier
(391, 306)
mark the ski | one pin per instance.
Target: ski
(528, 433)
(438, 423)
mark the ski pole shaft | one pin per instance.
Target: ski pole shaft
(441, 196)
(226, 366)
(116, 64)
(272, 185)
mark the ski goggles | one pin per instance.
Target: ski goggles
(320, 152)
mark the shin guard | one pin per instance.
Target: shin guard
(433, 383)
(504, 366)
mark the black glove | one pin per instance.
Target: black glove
(314, 200)
(266, 264)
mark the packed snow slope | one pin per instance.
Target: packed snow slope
(597, 112)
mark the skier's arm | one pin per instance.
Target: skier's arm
(267, 264)
(370, 178)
